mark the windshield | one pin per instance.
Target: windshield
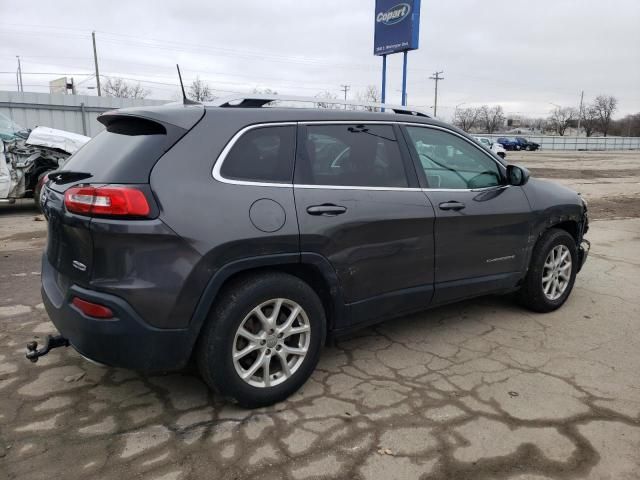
(10, 130)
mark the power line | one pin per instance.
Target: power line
(436, 76)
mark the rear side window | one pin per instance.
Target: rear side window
(264, 154)
(123, 153)
(351, 155)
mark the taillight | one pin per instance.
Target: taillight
(91, 309)
(107, 201)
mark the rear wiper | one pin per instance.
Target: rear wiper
(67, 176)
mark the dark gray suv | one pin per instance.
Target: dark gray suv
(242, 236)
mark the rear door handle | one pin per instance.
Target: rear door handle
(327, 210)
(452, 205)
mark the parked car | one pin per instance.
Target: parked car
(525, 144)
(26, 156)
(244, 236)
(508, 143)
(495, 147)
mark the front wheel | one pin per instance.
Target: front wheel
(263, 339)
(552, 272)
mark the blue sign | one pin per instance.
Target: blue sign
(397, 26)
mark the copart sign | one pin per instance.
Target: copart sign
(397, 26)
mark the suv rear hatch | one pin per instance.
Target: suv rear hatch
(119, 159)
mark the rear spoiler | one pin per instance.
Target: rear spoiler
(175, 114)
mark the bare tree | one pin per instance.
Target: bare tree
(117, 87)
(265, 91)
(200, 91)
(327, 95)
(561, 118)
(589, 120)
(466, 118)
(492, 118)
(370, 95)
(629, 126)
(539, 124)
(605, 106)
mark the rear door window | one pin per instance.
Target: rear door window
(264, 154)
(351, 155)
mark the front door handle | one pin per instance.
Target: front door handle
(451, 205)
(327, 210)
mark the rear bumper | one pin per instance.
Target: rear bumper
(125, 341)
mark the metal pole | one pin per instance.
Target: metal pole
(95, 60)
(345, 89)
(20, 85)
(580, 111)
(84, 119)
(436, 76)
(404, 77)
(384, 80)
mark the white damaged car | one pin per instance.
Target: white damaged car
(495, 147)
(26, 156)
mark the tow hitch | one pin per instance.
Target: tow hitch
(52, 342)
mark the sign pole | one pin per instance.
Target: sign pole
(404, 78)
(383, 95)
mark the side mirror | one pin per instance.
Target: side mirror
(517, 176)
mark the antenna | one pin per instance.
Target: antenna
(185, 100)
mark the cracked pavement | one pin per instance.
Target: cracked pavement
(479, 389)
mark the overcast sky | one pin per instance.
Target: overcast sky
(523, 55)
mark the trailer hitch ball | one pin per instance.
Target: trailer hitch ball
(51, 342)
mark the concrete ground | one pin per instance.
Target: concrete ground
(481, 389)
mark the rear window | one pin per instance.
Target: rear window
(123, 153)
(264, 154)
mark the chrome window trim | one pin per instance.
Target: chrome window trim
(358, 187)
(483, 189)
(225, 151)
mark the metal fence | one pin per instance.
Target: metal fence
(74, 113)
(548, 142)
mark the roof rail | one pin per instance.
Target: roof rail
(259, 100)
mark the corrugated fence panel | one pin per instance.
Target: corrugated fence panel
(74, 113)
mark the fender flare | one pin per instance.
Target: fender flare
(215, 283)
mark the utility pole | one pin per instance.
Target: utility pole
(580, 111)
(19, 75)
(345, 89)
(436, 76)
(95, 59)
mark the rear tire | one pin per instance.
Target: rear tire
(38, 191)
(552, 272)
(243, 320)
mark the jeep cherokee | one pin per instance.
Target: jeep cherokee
(242, 236)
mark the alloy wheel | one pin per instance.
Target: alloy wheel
(556, 272)
(271, 343)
